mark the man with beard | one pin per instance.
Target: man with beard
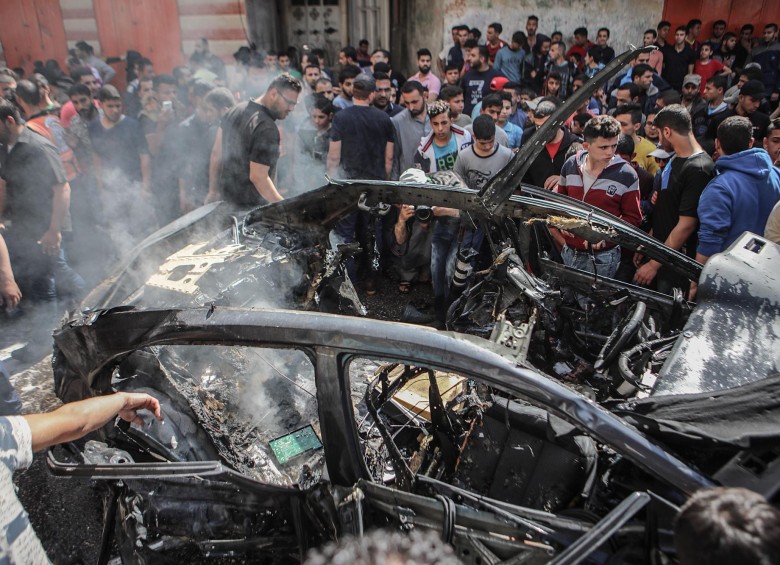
(476, 81)
(384, 89)
(675, 218)
(80, 75)
(35, 207)
(424, 75)
(346, 79)
(250, 141)
(411, 126)
(311, 74)
(716, 39)
(690, 93)
(457, 54)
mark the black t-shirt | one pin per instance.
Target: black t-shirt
(249, 134)
(364, 132)
(676, 64)
(120, 149)
(193, 140)
(476, 85)
(30, 170)
(687, 180)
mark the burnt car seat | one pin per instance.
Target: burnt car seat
(523, 456)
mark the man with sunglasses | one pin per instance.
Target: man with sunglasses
(248, 145)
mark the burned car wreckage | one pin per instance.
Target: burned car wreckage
(532, 431)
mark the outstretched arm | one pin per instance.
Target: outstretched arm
(76, 419)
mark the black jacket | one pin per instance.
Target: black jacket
(543, 166)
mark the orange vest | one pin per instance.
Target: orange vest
(38, 125)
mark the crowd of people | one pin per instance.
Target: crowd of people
(683, 143)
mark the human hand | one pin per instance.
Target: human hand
(406, 213)
(692, 291)
(211, 197)
(638, 259)
(10, 295)
(654, 197)
(135, 401)
(646, 273)
(50, 242)
(599, 245)
(551, 182)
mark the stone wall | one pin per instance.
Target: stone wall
(432, 20)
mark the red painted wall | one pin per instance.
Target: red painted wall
(32, 30)
(735, 12)
(148, 26)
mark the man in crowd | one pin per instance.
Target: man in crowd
(492, 106)
(767, 54)
(424, 75)
(494, 42)
(453, 95)
(411, 126)
(361, 147)
(675, 218)
(457, 53)
(602, 38)
(249, 140)
(581, 44)
(707, 67)
(509, 59)
(121, 155)
(600, 177)
(348, 58)
(679, 59)
(750, 96)
(545, 171)
(531, 29)
(36, 199)
(560, 65)
(745, 189)
(656, 57)
(707, 118)
(629, 116)
(86, 53)
(346, 79)
(382, 98)
(691, 100)
(476, 81)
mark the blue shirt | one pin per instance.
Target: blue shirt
(514, 133)
(445, 156)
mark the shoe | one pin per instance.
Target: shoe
(370, 286)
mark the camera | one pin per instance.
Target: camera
(423, 213)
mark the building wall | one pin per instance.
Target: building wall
(626, 19)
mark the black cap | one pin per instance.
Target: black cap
(754, 89)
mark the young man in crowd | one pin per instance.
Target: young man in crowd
(707, 67)
(675, 218)
(600, 177)
(742, 194)
(591, 65)
(629, 116)
(411, 126)
(513, 132)
(750, 96)
(492, 106)
(602, 38)
(453, 95)
(346, 79)
(476, 81)
(562, 67)
(494, 42)
(690, 93)
(509, 59)
(424, 75)
(531, 29)
(767, 54)
(679, 59)
(656, 57)
(581, 45)
(707, 118)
